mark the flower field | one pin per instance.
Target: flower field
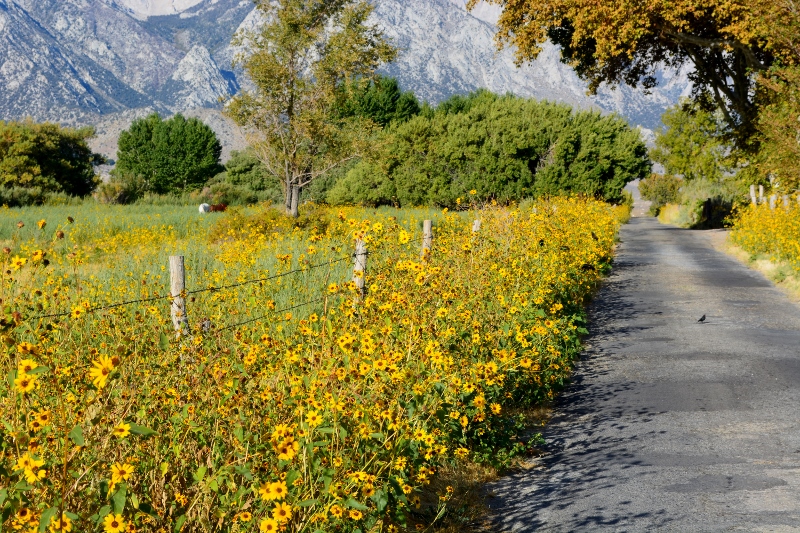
(295, 402)
(774, 233)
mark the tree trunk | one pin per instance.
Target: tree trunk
(287, 197)
(293, 209)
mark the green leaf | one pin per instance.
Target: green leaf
(245, 472)
(325, 430)
(141, 430)
(39, 370)
(213, 485)
(119, 498)
(72, 516)
(356, 505)
(342, 433)
(46, 517)
(102, 513)
(134, 501)
(3, 496)
(381, 500)
(11, 377)
(76, 435)
(163, 342)
(200, 474)
(179, 523)
(238, 432)
(291, 477)
(307, 503)
(378, 436)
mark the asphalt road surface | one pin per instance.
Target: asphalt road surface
(672, 425)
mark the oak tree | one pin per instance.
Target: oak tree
(625, 41)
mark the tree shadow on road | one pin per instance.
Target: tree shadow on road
(580, 437)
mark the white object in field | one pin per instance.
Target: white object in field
(205, 208)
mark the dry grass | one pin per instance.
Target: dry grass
(779, 272)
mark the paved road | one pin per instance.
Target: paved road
(671, 425)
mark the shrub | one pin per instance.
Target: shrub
(503, 148)
(661, 189)
(38, 159)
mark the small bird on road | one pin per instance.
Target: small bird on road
(702, 319)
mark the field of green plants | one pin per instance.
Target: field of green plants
(294, 401)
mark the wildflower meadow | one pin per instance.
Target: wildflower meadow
(293, 400)
(773, 233)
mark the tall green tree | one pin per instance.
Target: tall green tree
(692, 144)
(170, 156)
(47, 157)
(381, 100)
(298, 60)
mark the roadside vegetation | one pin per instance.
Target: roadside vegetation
(293, 403)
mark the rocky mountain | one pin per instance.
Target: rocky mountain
(106, 62)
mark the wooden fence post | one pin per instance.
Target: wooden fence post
(773, 199)
(177, 287)
(785, 201)
(427, 239)
(360, 267)
(476, 226)
(753, 195)
(761, 194)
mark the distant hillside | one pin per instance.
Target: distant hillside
(104, 62)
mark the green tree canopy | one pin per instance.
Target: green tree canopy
(692, 143)
(504, 148)
(170, 156)
(47, 157)
(380, 100)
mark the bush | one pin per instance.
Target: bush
(40, 159)
(503, 148)
(380, 100)
(660, 189)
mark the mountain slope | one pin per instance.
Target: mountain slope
(100, 61)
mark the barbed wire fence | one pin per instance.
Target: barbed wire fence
(178, 293)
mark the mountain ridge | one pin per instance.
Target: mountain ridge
(97, 61)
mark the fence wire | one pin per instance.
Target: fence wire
(232, 285)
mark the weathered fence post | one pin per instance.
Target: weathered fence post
(753, 197)
(427, 239)
(177, 287)
(773, 199)
(360, 267)
(761, 194)
(785, 201)
(476, 226)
